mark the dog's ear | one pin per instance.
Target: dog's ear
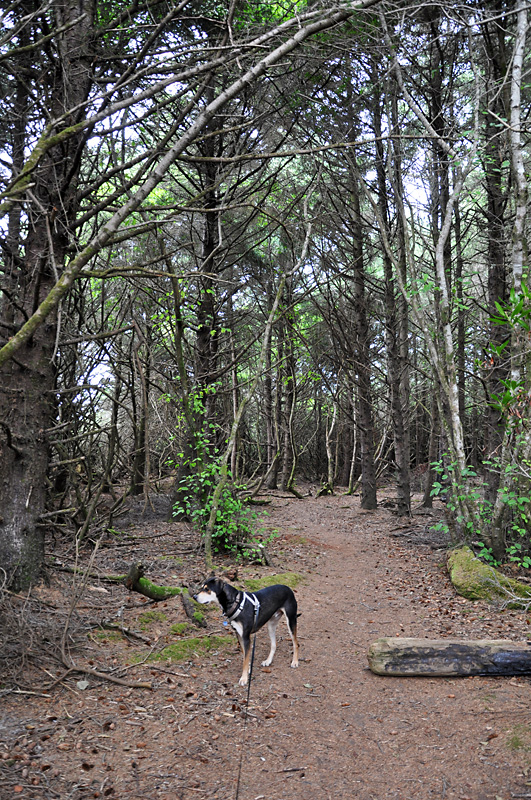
(211, 579)
(195, 586)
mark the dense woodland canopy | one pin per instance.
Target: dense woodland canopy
(248, 244)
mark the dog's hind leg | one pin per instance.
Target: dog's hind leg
(291, 620)
(272, 630)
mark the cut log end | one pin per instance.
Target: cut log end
(448, 657)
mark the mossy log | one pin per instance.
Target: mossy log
(476, 580)
(448, 657)
(192, 612)
(135, 582)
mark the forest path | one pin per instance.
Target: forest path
(329, 729)
(348, 733)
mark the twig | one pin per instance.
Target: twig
(114, 626)
(509, 598)
(104, 676)
(93, 575)
(168, 672)
(293, 769)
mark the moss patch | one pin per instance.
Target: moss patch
(107, 636)
(519, 738)
(297, 538)
(186, 648)
(478, 581)
(180, 627)
(177, 560)
(148, 617)
(200, 618)
(291, 579)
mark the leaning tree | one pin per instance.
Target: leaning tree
(72, 75)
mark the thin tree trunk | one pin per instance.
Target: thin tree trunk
(353, 457)
(290, 395)
(273, 402)
(329, 452)
(362, 349)
(393, 335)
(516, 449)
(496, 366)
(433, 453)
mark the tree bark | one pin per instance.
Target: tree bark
(393, 337)
(289, 456)
(27, 383)
(497, 106)
(362, 350)
(516, 448)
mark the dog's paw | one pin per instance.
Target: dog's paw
(267, 662)
(294, 664)
(243, 680)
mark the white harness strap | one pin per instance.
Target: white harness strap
(253, 600)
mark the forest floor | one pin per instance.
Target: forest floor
(328, 729)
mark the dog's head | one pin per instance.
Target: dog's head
(209, 591)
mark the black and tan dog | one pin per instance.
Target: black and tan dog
(247, 612)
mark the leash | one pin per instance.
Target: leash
(246, 717)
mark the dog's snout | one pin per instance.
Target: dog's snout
(193, 592)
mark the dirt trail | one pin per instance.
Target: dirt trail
(326, 730)
(356, 734)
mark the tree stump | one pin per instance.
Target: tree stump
(449, 657)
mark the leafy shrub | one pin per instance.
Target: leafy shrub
(453, 491)
(233, 519)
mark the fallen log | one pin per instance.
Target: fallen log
(192, 612)
(135, 582)
(448, 657)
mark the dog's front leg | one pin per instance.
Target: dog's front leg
(246, 648)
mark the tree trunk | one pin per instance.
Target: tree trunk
(331, 462)
(273, 403)
(27, 381)
(362, 349)
(496, 369)
(516, 448)
(395, 361)
(353, 474)
(433, 452)
(290, 394)
(461, 333)
(140, 467)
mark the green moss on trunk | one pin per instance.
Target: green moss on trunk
(476, 580)
(155, 592)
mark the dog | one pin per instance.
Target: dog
(247, 612)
